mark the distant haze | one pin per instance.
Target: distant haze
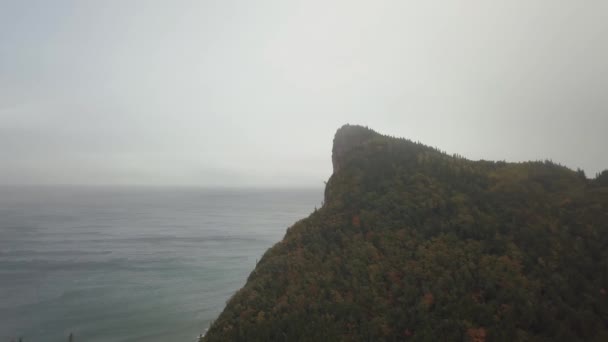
(250, 93)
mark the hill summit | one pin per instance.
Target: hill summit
(414, 244)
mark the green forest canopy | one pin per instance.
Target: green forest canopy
(414, 244)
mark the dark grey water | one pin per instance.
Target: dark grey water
(131, 264)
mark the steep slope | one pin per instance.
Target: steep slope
(413, 244)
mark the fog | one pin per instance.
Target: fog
(250, 93)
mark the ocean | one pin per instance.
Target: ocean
(132, 263)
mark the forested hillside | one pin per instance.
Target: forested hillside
(414, 244)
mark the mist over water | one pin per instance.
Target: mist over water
(131, 264)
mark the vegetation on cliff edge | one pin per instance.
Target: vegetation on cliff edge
(414, 244)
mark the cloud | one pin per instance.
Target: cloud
(242, 93)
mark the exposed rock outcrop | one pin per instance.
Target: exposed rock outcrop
(347, 138)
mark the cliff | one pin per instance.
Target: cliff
(348, 138)
(413, 244)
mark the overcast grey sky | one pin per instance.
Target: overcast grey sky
(250, 93)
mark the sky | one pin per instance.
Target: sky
(250, 93)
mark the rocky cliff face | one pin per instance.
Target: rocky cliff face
(347, 138)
